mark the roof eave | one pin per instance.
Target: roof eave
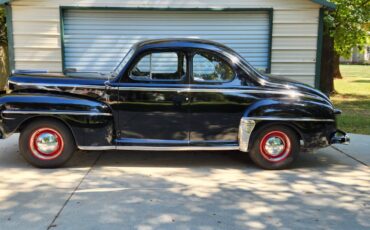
(326, 4)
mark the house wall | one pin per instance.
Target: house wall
(37, 36)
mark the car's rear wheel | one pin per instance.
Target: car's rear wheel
(46, 143)
(274, 147)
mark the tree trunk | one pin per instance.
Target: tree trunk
(336, 66)
(4, 70)
(327, 65)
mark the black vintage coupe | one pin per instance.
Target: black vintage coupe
(169, 94)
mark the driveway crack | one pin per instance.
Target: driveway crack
(52, 224)
(346, 154)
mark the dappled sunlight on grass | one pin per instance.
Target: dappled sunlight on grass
(353, 97)
(356, 71)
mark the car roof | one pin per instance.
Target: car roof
(181, 43)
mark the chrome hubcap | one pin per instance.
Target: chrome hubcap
(274, 146)
(47, 143)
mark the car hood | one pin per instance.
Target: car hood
(279, 82)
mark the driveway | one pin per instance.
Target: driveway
(328, 189)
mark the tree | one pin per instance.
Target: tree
(4, 71)
(3, 37)
(344, 28)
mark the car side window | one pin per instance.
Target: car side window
(160, 66)
(208, 67)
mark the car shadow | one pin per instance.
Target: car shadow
(10, 158)
(202, 159)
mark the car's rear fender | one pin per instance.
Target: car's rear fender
(84, 117)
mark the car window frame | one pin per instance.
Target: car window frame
(210, 82)
(139, 57)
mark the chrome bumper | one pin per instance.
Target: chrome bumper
(1, 128)
(340, 137)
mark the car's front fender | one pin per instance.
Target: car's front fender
(290, 109)
(313, 121)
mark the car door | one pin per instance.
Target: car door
(153, 100)
(217, 102)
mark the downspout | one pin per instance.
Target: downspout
(320, 35)
(9, 26)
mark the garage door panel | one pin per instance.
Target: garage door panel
(75, 56)
(96, 40)
(178, 32)
(121, 45)
(125, 22)
(114, 38)
(138, 14)
(90, 49)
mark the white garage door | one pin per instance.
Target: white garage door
(95, 40)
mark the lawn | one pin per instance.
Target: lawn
(353, 98)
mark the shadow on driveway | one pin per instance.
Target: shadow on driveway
(183, 190)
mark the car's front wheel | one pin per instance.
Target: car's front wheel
(46, 143)
(274, 147)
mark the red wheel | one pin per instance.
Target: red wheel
(274, 147)
(46, 143)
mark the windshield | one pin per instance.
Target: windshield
(123, 63)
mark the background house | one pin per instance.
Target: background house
(358, 57)
(281, 37)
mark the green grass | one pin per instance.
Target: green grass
(353, 98)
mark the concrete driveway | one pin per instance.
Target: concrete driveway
(329, 189)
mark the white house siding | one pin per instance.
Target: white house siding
(37, 43)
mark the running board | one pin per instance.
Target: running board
(245, 129)
(161, 148)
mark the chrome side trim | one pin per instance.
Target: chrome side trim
(289, 93)
(57, 85)
(160, 148)
(245, 130)
(178, 148)
(136, 141)
(289, 119)
(181, 90)
(97, 148)
(215, 90)
(58, 112)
